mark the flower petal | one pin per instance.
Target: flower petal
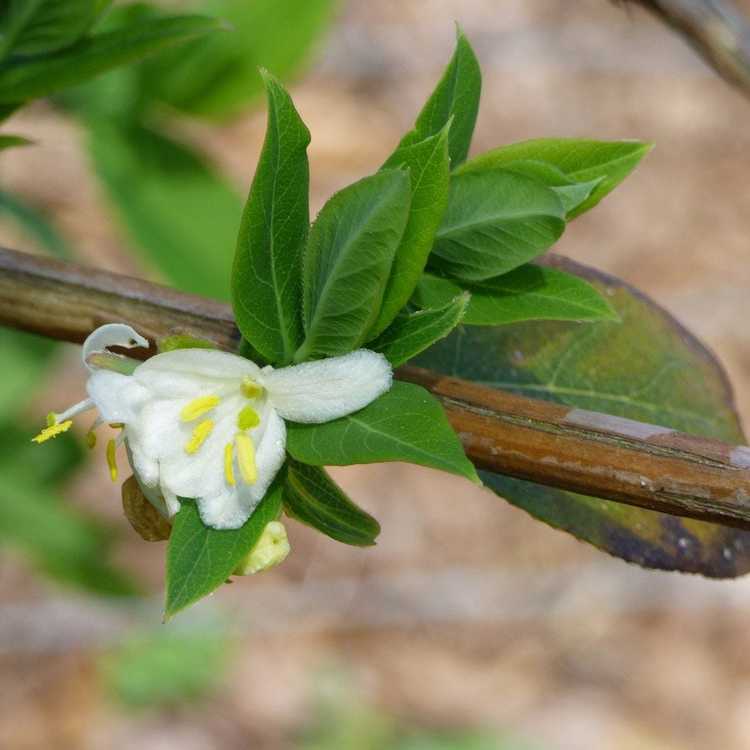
(327, 389)
(117, 397)
(111, 334)
(199, 364)
(270, 453)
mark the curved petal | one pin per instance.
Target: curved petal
(327, 389)
(111, 334)
(117, 397)
(270, 453)
(209, 364)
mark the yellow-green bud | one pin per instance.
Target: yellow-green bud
(271, 549)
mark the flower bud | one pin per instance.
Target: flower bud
(271, 549)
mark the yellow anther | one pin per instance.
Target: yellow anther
(91, 439)
(248, 418)
(52, 431)
(116, 425)
(246, 458)
(51, 419)
(200, 433)
(229, 464)
(198, 407)
(250, 389)
(112, 459)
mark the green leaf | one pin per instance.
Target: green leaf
(23, 355)
(412, 333)
(647, 368)
(266, 276)
(183, 215)
(405, 424)
(313, 498)
(13, 141)
(571, 193)
(36, 27)
(456, 98)
(496, 221)
(200, 559)
(581, 160)
(217, 76)
(41, 76)
(348, 260)
(35, 225)
(429, 169)
(530, 292)
(58, 539)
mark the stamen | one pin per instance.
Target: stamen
(91, 439)
(52, 431)
(200, 433)
(248, 418)
(246, 458)
(198, 407)
(229, 464)
(251, 389)
(112, 459)
(74, 410)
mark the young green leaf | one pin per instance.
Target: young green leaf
(581, 160)
(266, 276)
(496, 221)
(405, 424)
(41, 76)
(571, 193)
(529, 293)
(429, 169)
(36, 27)
(646, 368)
(200, 559)
(183, 216)
(455, 97)
(34, 224)
(313, 498)
(412, 333)
(348, 259)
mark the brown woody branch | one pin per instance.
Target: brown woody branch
(716, 29)
(596, 454)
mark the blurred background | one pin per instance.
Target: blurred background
(496, 632)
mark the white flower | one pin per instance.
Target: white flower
(209, 425)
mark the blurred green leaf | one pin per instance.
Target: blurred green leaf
(579, 159)
(23, 354)
(218, 76)
(646, 368)
(36, 27)
(455, 100)
(348, 260)
(180, 213)
(496, 221)
(41, 76)
(200, 559)
(266, 276)
(411, 333)
(165, 668)
(429, 168)
(59, 540)
(13, 141)
(407, 423)
(313, 498)
(35, 224)
(530, 292)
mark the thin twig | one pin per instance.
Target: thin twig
(717, 29)
(596, 454)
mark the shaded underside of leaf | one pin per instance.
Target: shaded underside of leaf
(647, 368)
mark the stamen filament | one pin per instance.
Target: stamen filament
(112, 459)
(229, 464)
(198, 407)
(200, 433)
(248, 418)
(246, 458)
(251, 389)
(74, 410)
